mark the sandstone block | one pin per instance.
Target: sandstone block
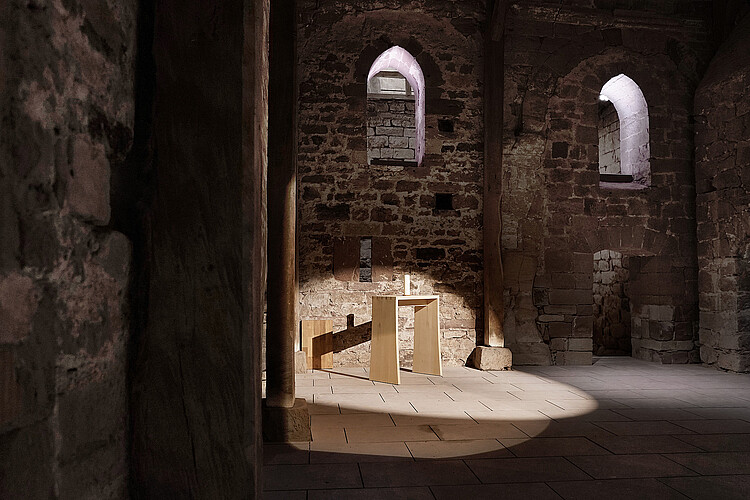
(18, 303)
(87, 181)
(573, 358)
(535, 354)
(491, 358)
(576, 344)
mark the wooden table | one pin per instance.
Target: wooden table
(384, 362)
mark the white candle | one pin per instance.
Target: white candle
(407, 284)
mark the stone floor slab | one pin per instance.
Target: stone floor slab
(477, 431)
(708, 464)
(528, 470)
(518, 491)
(553, 447)
(310, 477)
(644, 428)
(715, 426)
(286, 453)
(422, 493)
(712, 487)
(628, 445)
(437, 472)
(390, 434)
(616, 489)
(328, 453)
(718, 442)
(630, 466)
(442, 450)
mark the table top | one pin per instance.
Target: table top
(410, 297)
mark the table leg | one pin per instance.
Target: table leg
(427, 339)
(384, 363)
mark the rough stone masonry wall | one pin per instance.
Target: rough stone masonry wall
(391, 133)
(66, 111)
(611, 304)
(555, 213)
(609, 140)
(343, 199)
(722, 108)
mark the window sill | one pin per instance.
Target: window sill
(389, 162)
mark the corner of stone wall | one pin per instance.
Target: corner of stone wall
(64, 275)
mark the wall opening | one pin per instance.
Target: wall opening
(624, 150)
(365, 260)
(395, 110)
(443, 201)
(611, 335)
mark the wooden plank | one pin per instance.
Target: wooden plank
(416, 300)
(384, 362)
(427, 339)
(317, 342)
(494, 78)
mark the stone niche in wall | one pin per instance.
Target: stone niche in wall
(611, 304)
(391, 127)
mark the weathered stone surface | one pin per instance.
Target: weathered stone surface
(491, 358)
(10, 390)
(67, 98)
(723, 208)
(287, 425)
(87, 181)
(19, 297)
(555, 210)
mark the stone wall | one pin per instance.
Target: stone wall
(722, 109)
(391, 132)
(555, 212)
(611, 304)
(67, 108)
(609, 139)
(342, 198)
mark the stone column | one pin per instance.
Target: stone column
(493, 355)
(284, 418)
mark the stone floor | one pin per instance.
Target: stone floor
(621, 428)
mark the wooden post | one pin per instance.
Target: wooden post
(493, 179)
(282, 207)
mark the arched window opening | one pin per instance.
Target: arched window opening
(395, 109)
(624, 151)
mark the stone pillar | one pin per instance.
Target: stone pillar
(284, 419)
(483, 357)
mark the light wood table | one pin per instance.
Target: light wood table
(384, 363)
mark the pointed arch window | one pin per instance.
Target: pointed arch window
(624, 150)
(395, 109)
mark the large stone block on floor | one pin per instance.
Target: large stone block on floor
(286, 425)
(491, 358)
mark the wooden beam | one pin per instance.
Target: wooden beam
(493, 181)
(497, 19)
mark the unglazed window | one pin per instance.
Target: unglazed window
(395, 109)
(624, 150)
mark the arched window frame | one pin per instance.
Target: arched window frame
(632, 110)
(398, 59)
